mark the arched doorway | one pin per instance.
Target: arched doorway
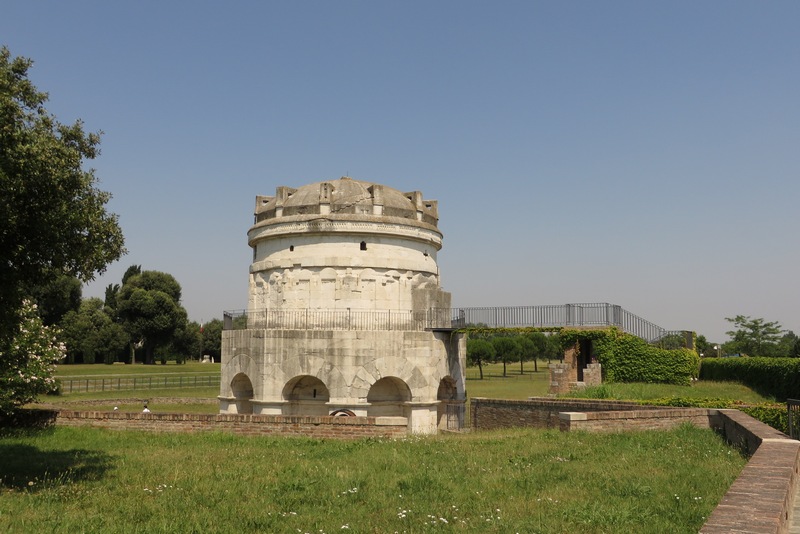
(306, 395)
(242, 390)
(387, 397)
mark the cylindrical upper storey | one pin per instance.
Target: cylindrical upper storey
(333, 224)
(345, 244)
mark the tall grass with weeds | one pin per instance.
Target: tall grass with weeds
(522, 480)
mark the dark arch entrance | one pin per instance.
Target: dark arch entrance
(387, 397)
(306, 395)
(242, 390)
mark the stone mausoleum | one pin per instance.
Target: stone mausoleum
(346, 314)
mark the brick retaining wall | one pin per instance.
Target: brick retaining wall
(251, 425)
(490, 414)
(759, 501)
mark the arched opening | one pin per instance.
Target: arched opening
(363, 245)
(387, 397)
(450, 411)
(306, 395)
(242, 390)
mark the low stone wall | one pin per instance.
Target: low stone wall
(490, 414)
(251, 425)
(639, 419)
(759, 501)
(762, 497)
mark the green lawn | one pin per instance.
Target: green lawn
(93, 480)
(120, 369)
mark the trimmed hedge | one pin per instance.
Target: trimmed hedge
(627, 358)
(770, 377)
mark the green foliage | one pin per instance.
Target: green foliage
(27, 361)
(149, 306)
(627, 358)
(776, 377)
(775, 415)
(479, 352)
(187, 342)
(212, 339)
(754, 337)
(506, 350)
(56, 295)
(52, 217)
(91, 332)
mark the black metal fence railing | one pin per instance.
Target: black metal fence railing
(126, 383)
(793, 405)
(554, 316)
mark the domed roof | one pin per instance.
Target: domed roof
(344, 198)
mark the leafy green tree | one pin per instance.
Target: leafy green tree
(133, 270)
(110, 300)
(754, 337)
(187, 342)
(507, 350)
(541, 347)
(90, 332)
(789, 345)
(149, 306)
(527, 352)
(55, 295)
(212, 339)
(52, 217)
(27, 364)
(703, 346)
(480, 350)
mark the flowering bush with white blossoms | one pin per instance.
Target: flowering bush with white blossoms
(27, 362)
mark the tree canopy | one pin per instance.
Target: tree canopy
(754, 337)
(52, 216)
(149, 306)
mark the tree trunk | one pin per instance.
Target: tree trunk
(480, 369)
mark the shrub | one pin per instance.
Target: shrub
(27, 361)
(773, 377)
(627, 358)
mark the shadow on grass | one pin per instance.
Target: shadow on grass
(26, 467)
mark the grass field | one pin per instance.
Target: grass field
(93, 480)
(513, 386)
(102, 370)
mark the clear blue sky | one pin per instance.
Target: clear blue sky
(639, 153)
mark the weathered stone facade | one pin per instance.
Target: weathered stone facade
(343, 281)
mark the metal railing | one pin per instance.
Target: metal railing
(127, 383)
(546, 316)
(793, 406)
